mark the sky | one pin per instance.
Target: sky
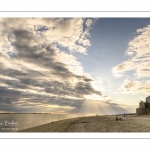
(74, 65)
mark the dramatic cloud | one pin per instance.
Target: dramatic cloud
(66, 32)
(35, 73)
(138, 60)
(132, 86)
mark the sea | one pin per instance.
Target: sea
(16, 122)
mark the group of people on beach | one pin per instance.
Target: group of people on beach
(117, 119)
(120, 119)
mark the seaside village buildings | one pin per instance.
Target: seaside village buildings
(144, 107)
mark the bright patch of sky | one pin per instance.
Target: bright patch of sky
(109, 41)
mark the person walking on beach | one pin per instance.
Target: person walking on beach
(124, 114)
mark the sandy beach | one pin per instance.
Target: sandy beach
(130, 123)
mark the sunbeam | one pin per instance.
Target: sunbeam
(97, 107)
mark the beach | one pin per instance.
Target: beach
(130, 123)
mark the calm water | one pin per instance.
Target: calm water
(15, 122)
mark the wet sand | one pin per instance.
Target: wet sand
(130, 123)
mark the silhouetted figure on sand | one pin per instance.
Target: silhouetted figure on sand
(124, 115)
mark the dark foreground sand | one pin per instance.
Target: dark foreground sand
(131, 123)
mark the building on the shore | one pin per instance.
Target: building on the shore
(144, 107)
(148, 99)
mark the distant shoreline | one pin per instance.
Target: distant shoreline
(70, 113)
(25, 113)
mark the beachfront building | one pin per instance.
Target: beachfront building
(144, 107)
(148, 99)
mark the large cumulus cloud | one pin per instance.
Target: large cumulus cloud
(35, 74)
(137, 63)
